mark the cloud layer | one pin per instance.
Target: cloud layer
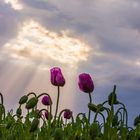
(110, 28)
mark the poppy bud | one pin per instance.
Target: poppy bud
(85, 83)
(57, 78)
(46, 100)
(19, 112)
(68, 114)
(23, 99)
(137, 120)
(47, 115)
(112, 98)
(92, 107)
(34, 124)
(96, 108)
(32, 103)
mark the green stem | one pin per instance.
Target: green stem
(57, 104)
(124, 112)
(90, 101)
(61, 114)
(102, 117)
(43, 94)
(31, 93)
(1, 98)
(124, 109)
(80, 114)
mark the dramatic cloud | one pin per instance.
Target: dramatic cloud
(101, 37)
(34, 43)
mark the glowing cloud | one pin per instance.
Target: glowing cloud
(37, 44)
(15, 4)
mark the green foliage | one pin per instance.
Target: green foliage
(33, 125)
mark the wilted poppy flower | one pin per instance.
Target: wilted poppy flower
(46, 100)
(57, 78)
(67, 114)
(85, 83)
(47, 115)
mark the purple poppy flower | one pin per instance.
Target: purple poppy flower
(57, 78)
(68, 114)
(85, 83)
(46, 100)
(47, 115)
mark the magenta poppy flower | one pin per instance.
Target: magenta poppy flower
(68, 114)
(46, 100)
(85, 83)
(57, 78)
(47, 115)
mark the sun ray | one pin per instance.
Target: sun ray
(34, 43)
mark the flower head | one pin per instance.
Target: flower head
(85, 83)
(47, 115)
(57, 78)
(46, 100)
(68, 114)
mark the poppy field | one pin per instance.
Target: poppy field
(104, 121)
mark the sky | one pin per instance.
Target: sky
(99, 37)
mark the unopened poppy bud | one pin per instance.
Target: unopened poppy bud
(112, 98)
(23, 99)
(47, 115)
(32, 103)
(137, 120)
(34, 125)
(46, 100)
(19, 112)
(68, 114)
(92, 107)
(100, 107)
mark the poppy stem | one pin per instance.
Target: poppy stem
(90, 101)
(1, 98)
(58, 95)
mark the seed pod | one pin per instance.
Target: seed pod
(23, 99)
(34, 124)
(32, 103)
(19, 112)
